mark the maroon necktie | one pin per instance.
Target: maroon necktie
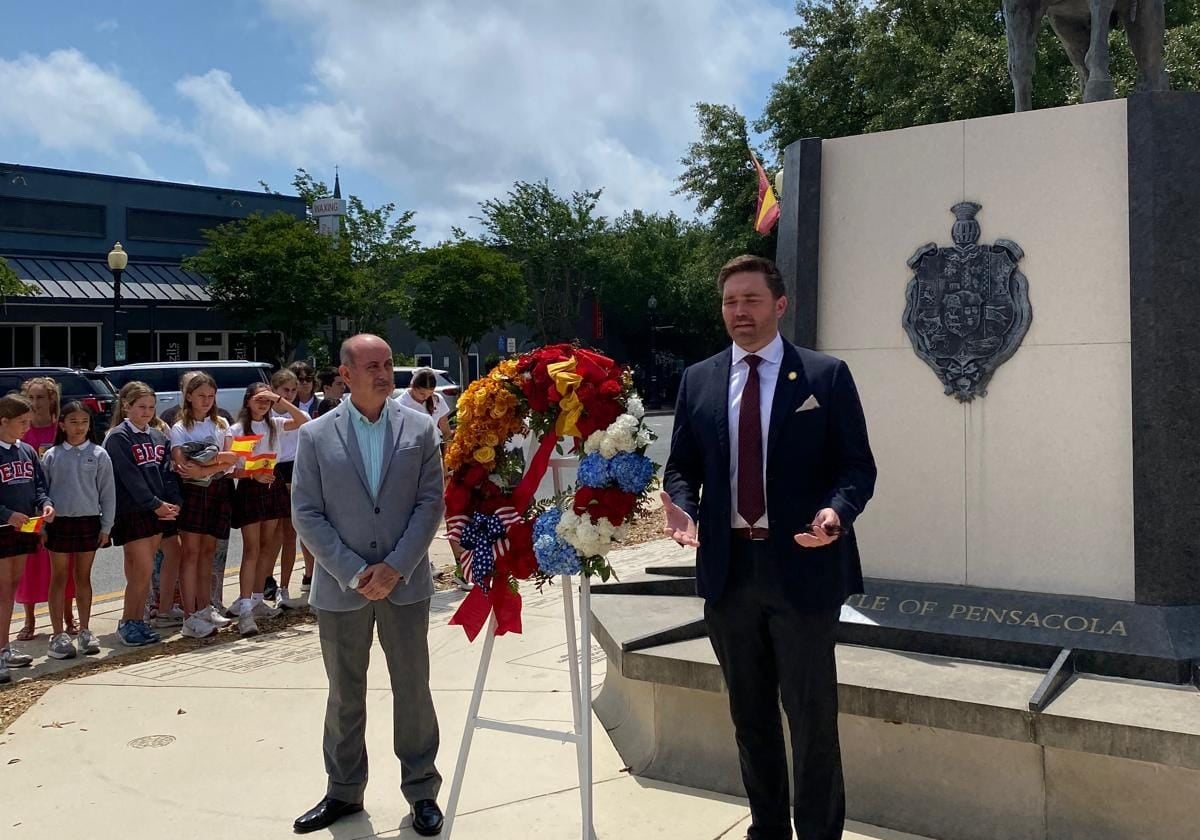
(750, 502)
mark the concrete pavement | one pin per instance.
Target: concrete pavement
(225, 742)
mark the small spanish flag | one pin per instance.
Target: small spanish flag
(768, 206)
(263, 463)
(244, 444)
(33, 525)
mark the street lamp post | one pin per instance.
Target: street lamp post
(117, 260)
(651, 305)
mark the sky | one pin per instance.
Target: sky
(431, 104)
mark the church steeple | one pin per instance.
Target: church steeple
(337, 186)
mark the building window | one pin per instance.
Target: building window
(163, 226)
(49, 345)
(66, 218)
(17, 344)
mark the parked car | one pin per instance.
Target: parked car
(91, 388)
(232, 377)
(445, 385)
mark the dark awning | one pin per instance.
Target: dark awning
(65, 278)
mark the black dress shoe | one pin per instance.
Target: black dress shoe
(324, 814)
(427, 817)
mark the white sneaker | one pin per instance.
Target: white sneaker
(264, 610)
(89, 645)
(61, 647)
(197, 626)
(215, 618)
(174, 618)
(246, 625)
(235, 609)
(287, 602)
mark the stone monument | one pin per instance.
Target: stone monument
(1083, 26)
(1024, 660)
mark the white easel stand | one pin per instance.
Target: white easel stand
(581, 696)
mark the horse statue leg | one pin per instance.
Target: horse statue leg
(1022, 20)
(1075, 38)
(1145, 25)
(1099, 83)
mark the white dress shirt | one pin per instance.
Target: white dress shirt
(768, 375)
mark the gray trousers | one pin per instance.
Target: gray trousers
(346, 639)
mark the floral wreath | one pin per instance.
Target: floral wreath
(555, 391)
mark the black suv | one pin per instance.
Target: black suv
(90, 388)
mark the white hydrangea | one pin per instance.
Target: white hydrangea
(634, 407)
(593, 442)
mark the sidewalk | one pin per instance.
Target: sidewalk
(225, 742)
(106, 614)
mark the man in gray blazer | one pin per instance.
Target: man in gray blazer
(367, 499)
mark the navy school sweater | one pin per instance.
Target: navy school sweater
(142, 468)
(23, 487)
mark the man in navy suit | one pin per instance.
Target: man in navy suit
(775, 437)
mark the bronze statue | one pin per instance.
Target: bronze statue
(1083, 27)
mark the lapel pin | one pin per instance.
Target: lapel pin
(792, 376)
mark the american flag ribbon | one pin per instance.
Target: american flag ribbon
(483, 537)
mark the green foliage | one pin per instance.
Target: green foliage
(554, 240)
(11, 284)
(460, 290)
(272, 273)
(860, 66)
(645, 254)
(719, 176)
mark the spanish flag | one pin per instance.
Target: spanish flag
(263, 463)
(33, 525)
(244, 444)
(768, 206)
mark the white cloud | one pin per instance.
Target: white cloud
(66, 103)
(439, 99)
(107, 25)
(441, 105)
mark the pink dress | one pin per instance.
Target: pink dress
(34, 587)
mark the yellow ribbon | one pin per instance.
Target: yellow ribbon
(570, 408)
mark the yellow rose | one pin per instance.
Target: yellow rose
(491, 439)
(485, 454)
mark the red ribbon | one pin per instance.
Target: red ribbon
(473, 612)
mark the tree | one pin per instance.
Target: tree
(374, 242)
(646, 254)
(461, 290)
(719, 176)
(11, 284)
(554, 241)
(272, 273)
(865, 66)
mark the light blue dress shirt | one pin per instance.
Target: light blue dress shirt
(371, 438)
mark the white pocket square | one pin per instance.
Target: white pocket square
(809, 404)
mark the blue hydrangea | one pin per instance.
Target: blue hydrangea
(593, 470)
(631, 471)
(554, 555)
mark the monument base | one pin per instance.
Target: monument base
(935, 745)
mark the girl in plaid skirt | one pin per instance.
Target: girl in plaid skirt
(80, 474)
(147, 501)
(259, 501)
(199, 450)
(23, 494)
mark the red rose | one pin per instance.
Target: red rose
(458, 498)
(552, 393)
(520, 560)
(610, 388)
(474, 474)
(610, 502)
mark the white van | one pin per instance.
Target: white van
(232, 377)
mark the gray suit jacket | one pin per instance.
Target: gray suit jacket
(345, 527)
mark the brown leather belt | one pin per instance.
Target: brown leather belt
(750, 534)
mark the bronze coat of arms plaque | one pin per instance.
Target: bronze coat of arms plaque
(967, 306)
